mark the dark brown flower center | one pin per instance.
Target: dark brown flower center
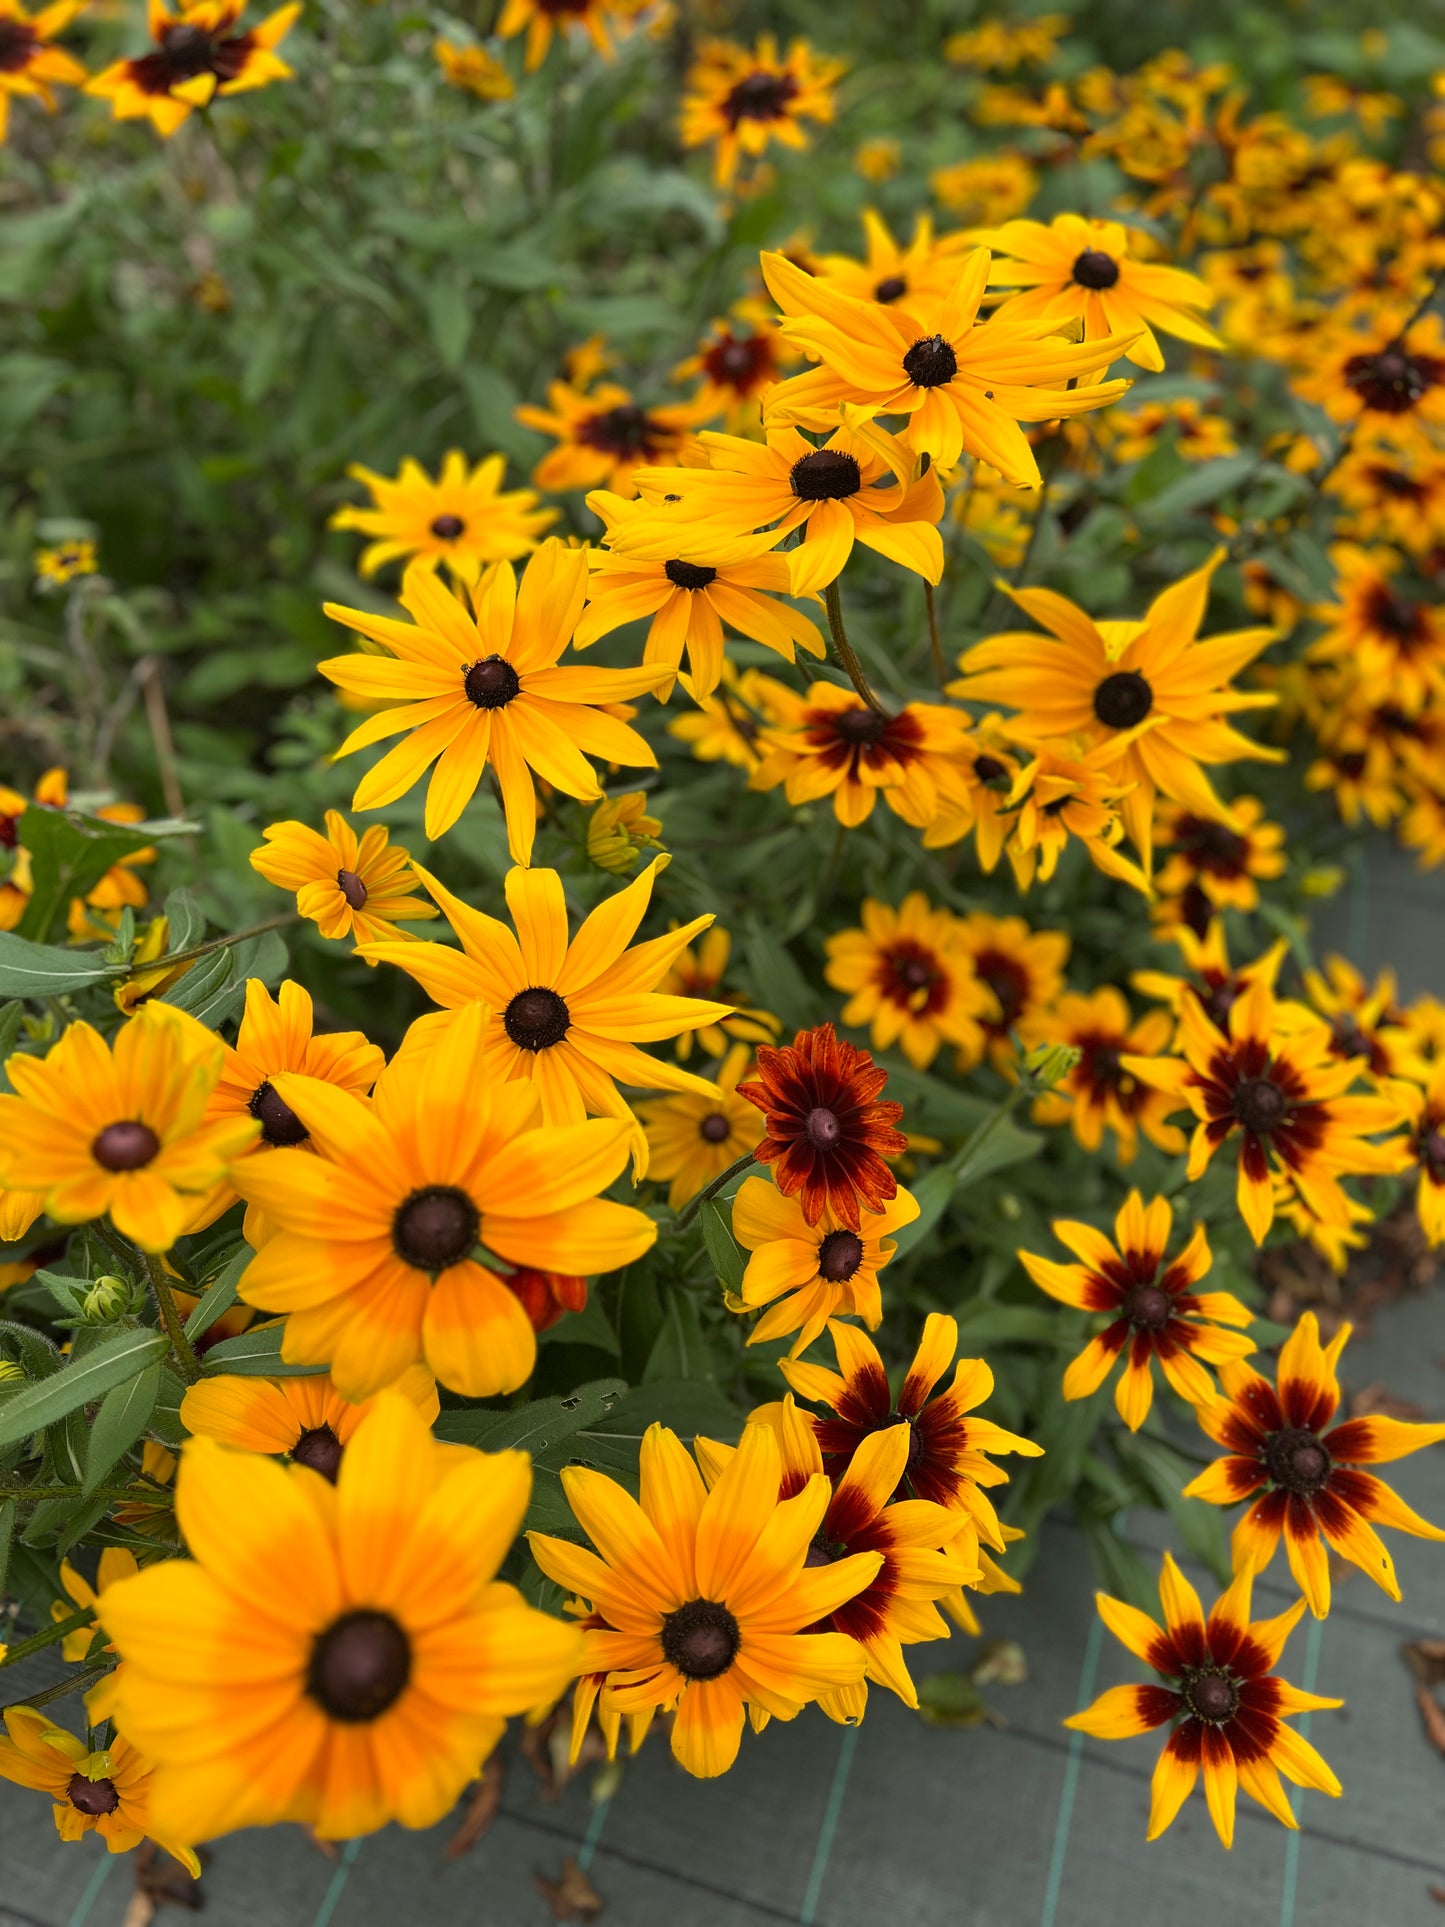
(279, 1123)
(187, 50)
(624, 431)
(739, 361)
(1148, 1307)
(1211, 845)
(1095, 269)
(435, 1227)
(1259, 1104)
(1393, 381)
(321, 1450)
(536, 1019)
(93, 1797)
(839, 1256)
(915, 974)
(359, 1667)
(859, 726)
(992, 773)
(701, 1639)
(890, 288)
(689, 575)
(1296, 1460)
(9, 825)
(352, 888)
(18, 43)
(759, 96)
(126, 1146)
(492, 683)
(714, 1127)
(827, 475)
(1123, 699)
(1211, 1695)
(931, 362)
(821, 1128)
(1432, 1153)
(1009, 982)
(446, 528)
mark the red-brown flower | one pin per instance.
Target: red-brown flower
(545, 1295)
(827, 1133)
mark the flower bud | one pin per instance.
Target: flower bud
(106, 1301)
(1049, 1064)
(618, 831)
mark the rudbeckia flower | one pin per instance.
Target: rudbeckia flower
(546, 1296)
(340, 1656)
(1152, 1306)
(1212, 865)
(1281, 1444)
(109, 1792)
(831, 743)
(347, 886)
(737, 362)
(702, 1600)
(464, 518)
(566, 1018)
(1282, 1090)
(1424, 1108)
(891, 272)
(603, 436)
(908, 978)
(1066, 792)
(540, 20)
(303, 1418)
(473, 70)
(724, 727)
(963, 386)
(1365, 367)
(29, 65)
(196, 56)
(1212, 979)
(807, 1273)
(1391, 640)
(693, 1139)
(373, 1251)
(743, 99)
(18, 1211)
(1220, 1692)
(699, 971)
(472, 689)
(1103, 1091)
(120, 1130)
(1365, 1019)
(828, 1129)
(1023, 971)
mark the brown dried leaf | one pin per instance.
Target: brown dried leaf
(547, 1745)
(480, 1810)
(1378, 1401)
(1433, 1714)
(1426, 1660)
(573, 1897)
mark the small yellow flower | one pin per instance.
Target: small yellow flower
(692, 1139)
(55, 567)
(474, 70)
(464, 518)
(197, 54)
(145, 983)
(347, 887)
(878, 160)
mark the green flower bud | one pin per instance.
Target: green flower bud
(107, 1299)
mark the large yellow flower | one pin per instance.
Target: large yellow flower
(472, 692)
(338, 1656)
(373, 1254)
(464, 518)
(28, 63)
(107, 1792)
(122, 1131)
(197, 54)
(304, 1417)
(744, 98)
(565, 1018)
(962, 386)
(348, 886)
(702, 1600)
(909, 978)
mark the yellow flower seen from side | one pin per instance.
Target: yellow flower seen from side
(473, 70)
(348, 886)
(909, 980)
(303, 1418)
(541, 20)
(743, 99)
(464, 519)
(1103, 1091)
(693, 1139)
(700, 971)
(196, 55)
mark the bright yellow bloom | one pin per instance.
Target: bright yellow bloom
(1212, 979)
(464, 518)
(1365, 1019)
(197, 56)
(1362, 367)
(305, 1417)
(116, 1562)
(53, 567)
(830, 743)
(109, 1793)
(1102, 1091)
(693, 1139)
(1065, 792)
(878, 159)
(541, 19)
(737, 361)
(1391, 640)
(743, 99)
(30, 66)
(699, 971)
(373, 1250)
(993, 188)
(1424, 1106)
(910, 979)
(890, 272)
(604, 436)
(1212, 864)
(998, 46)
(1197, 433)
(347, 887)
(473, 70)
(382, 1656)
(1022, 969)
(724, 727)
(472, 689)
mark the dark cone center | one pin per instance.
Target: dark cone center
(821, 1128)
(992, 773)
(688, 575)
(759, 96)
(279, 1123)
(536, 1019)
(859, 726)
(890, 288)
(827, 475)
(1297, 1461)
(1432, 1154)
(359, 1667)
(17, 44)
(916, 975)
(1259, 1104)
(701, 1639)
(1149, 1308)
(1123, 699)
(321, 1450)
(714, 1127)
(435, 1228)
(352, 888)
(931, 362)
(126, 1146)
(95, 1797)
(622, 431)
(1392, 381)
(839, 1256)
(187, 50)
(446, 528)
(492, 683)
(1212, 1696)
(1095, 269)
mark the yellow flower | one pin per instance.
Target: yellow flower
(472, 689)
(830, 743)
(994, 188)
(603, 436)
(345, 886)
(693, 1139)
(698, 971)
(878, 159)
(1022, 969)
(1424, 1106)
(619, 830)
(744, 99)
(1062, 794)
(890, 272)
(145, 983)
(464, 518)
(541, 19)
(372, 1255)
(474, 70)
(304, 1418)
(196, 56)
(110, 1792)
(998, 46)
(564, 1018)
(53, 567)
(32, 66)
(724, 727)
(1197, 433)
(121, 1130)
(116, 1562)
(1213, 864)
(382, 1656)
(1104, 1091)
(738, 360)
(909, 978)
(1364, 367)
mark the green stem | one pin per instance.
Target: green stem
(175, 1330)
(37, 1642)
(981, 1133)
(843, 649)
(935, 640)
(77, 1683)
(694, 1205)
(157, 1493)
(216, 943)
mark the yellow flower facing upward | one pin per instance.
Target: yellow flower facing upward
(700, 971)
(564, 1018)
(909, 979)
(473, 70)
(69, 560)
(1196, 432)
(30, 65)
(744, 99)
(1023, 971)
(702, 1600)
(348, 886)
(121, 1130)
(1365, 368)
(692, 1139)
(382, 1655)
(961, 385)
(1212, 864)
(373, 1250)
(108, 1793)
(196, 55)
(830, 743)
(604, 436)
(1365, 1019)
(303, 1418)
(464, 519)
(471, 689)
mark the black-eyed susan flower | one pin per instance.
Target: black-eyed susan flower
(303, 1418)
(1212, 865)
(1390, 639)
(472, 689)
(374, 1238)
(1081, 270)
(1151, 1303)
(348, 886)
(724, 727)
(196, 55)
(1278, 1086)
(66, 563)
(691, 585)
(603, 435)
(991, 189)
(1363, 367)
(962, 386)
(742, 99)
(541, 20)
(1102, 1092)
(1071, 793)
(890, 272)
(108, 1792)
(1227, 1708)
(801, 1274)
(1023, 971)
(120, 1130)
(1151, 684)
(702, 1600)
(564, 1017)
(1391, 490)
(1212, 979)
(1282, 1445)
(736, 363)
(829, 1129)
(473, 70)
(1423, 1104)
(829, 742)
(692, 1139)
(116, 1562)
(1365, 1018)
(909, 979)
(31, 66)
(464, 519)
(1194, 430)
(337, 1657)
(977, 799)
(701, 971)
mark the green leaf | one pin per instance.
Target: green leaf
(11, 1018)
(69, 1293)
(1205, 483)
(7, 1539)
(124, 1414)
(590, 1326)
(219, 1296)
(983, 1322)
(1121, 1571)
(166, 1418)
(687, 1406)
(70, 853)
(185, 920)
(729, 1260)
(1006, 1144)
(538, 1427)
(449, 314)
(205, 982)
(255, 1354)
(933, 1192)
(1165, 1473)
(681, 1350)
(44, 970)
(111, 1363)
(37, 1354)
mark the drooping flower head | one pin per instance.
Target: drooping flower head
(1066, 791)
(30, 65)
(744, 98)
(196, 55)
(692, 1139)
(463, 519)
(303, 1417)
(107, 1792)
(909, 978)
(348, 886)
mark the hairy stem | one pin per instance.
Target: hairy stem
(935, 640)
(843, 650)
(37, 1642)
(175, 1329)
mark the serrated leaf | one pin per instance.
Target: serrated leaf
(111, 1363)
(37, 1354)
(538, 1427)
(124, 1414)
(255, 1354)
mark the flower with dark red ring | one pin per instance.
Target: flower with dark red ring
(1280, 1444)
(1228, 1707)
(546, 1295)
(828, 1132)
(195, 56)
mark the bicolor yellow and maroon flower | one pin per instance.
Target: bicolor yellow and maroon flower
(1022, 969)
(1282, 1445)
(31, 66)
(1103, 1091)
(303, 1418)
(108, 1792)
(831, 743)
(348, 886)
(541, 20)
(1212, 978)
(464, 519)
(736, 363)
(692, 1139)
(603, 436)
(1366, 368)
(909, 978)
(1424, 1107)
(1365, 1019)
(742, 99)
(1151, 1304)
(1227, 1708)
(1211, 864)
(1389, 637)
(197, 54)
